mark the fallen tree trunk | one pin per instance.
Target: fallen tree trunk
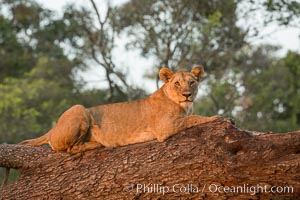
(211, 161)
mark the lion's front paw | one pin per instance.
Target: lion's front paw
(216, 117)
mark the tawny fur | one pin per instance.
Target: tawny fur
(166, 112)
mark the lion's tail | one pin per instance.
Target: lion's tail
(37, 141)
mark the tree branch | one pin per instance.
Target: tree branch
(212, 154)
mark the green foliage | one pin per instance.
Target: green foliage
(273, 95)
(37, 79)
(261, 94)
(267, 92)
(179, 33)
(13, 175)
(41, 53)
(29, 105)
(221, 99)
(282, 11)
(14, 57)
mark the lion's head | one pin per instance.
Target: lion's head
(182, 87)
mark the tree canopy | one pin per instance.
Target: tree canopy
(42, 53)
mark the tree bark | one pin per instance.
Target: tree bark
(210, 161)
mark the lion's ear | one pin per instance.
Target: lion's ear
(198, 72)
(165, 74)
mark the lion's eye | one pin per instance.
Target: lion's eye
(192, 83)
(177, 84)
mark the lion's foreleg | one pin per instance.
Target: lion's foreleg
(181, 125)
(195, 120)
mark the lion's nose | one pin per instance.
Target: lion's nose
(187, 94)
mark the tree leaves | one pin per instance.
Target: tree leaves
(41, 53)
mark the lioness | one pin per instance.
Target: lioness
(166, 112)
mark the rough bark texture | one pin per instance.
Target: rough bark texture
(189, 165)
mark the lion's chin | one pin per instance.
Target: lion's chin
(186, 105)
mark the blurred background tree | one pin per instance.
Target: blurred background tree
(42, 54)
(38, 70)
(179, 33)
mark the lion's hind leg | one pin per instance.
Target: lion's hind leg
(71, 129)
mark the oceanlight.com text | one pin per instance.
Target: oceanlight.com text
(250, 189)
